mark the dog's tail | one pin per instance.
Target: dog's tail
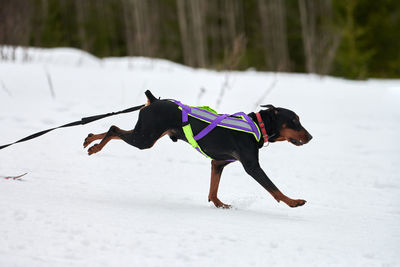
(150, 97)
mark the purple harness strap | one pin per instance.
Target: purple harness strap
(185, 110)
(215, 123)
(210, 127)
(219, 120)
(250, 122)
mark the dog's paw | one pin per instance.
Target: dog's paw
(94, 149)
(297, 203)
(223, 206)
(219, 204)
(88, 140)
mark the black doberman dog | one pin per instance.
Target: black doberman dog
(161, 117)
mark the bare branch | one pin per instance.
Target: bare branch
(267, 92)
(49, 81)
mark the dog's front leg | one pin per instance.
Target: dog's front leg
(216, 171)
(254, 170)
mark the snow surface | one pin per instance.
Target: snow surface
(126, 207)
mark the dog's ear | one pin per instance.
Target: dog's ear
(271, 107)
(268, 106)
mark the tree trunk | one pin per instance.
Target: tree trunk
(81, 8)
(320, 40)
(184, 33)
(273, 27)
(141, 28)
(198, 31)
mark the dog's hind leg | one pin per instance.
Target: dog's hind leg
(113, 133)
(216, 171)
(93, 137)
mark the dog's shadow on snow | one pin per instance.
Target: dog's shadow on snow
(189, 207)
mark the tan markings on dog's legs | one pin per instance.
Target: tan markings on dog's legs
(93, 137)
(216, 171)
(279, 196)
(97, 147)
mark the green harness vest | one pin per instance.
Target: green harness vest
(237, 122)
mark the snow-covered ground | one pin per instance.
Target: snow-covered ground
(126, 207)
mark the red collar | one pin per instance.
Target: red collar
(262, 127)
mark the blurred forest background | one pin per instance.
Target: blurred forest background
(355, 39)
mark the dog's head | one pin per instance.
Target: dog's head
(284, 126)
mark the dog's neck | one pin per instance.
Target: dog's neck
(270, 125)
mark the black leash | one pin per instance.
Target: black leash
(76, 123)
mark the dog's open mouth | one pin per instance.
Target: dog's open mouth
(296, 142)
